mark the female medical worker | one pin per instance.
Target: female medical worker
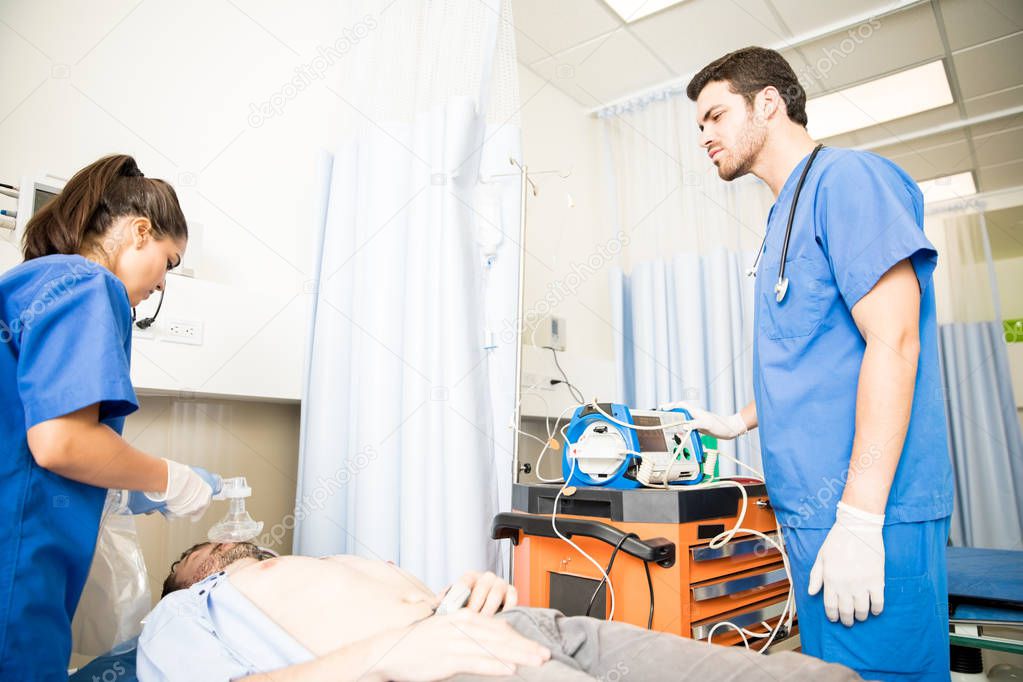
(103, 245)
(846, 387)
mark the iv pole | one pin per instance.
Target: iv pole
(526, 185)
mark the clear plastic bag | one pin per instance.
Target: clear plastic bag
(116, 596)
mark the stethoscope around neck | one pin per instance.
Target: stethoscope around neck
(781, 287)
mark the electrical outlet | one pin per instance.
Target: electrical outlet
(183, 331)
(536, 381)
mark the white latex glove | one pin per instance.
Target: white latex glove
(187, 494)
(725, 428)
(850, 566)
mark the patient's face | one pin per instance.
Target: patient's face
(209, 557)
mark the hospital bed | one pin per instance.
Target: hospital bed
(985, 598)
(985, 589)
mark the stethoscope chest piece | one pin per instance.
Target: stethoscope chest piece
(781, 287)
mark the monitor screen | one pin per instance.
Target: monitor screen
(41, 198)
(650, 440)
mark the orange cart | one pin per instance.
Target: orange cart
(664, 573)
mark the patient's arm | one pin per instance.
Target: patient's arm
(432, 649)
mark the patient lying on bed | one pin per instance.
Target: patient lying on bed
(232, 611)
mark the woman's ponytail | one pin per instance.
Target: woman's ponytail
(109, 188)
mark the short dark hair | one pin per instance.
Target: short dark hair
(171, 583)
(750, 70)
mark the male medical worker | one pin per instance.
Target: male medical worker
(845, 376)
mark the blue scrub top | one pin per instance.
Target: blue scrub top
(65, 344)
(858, 215)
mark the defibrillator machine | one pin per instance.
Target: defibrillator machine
(610, 445)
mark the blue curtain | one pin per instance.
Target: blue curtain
(984, 436)
(687, 335)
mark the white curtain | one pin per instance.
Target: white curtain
(984, 431)
(400, 457)
(681, 302)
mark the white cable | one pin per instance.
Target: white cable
(716, 542)
(725, 623)
(547, 445)
(603, 573)
(781, 548)
(660, 427)
(529, 435)
(759, 635)
(725, 537)
(759, 476)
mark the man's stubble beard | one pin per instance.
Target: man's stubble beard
(224, 558)
(746, 150)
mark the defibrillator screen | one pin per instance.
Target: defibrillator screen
(650, 440)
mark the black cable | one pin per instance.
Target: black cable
(650, 587)
(147, 322)
(607, 571)
(576, 393)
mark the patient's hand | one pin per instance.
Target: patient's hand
(490, 594)
(442, 646)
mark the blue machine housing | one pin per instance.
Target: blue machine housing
(624, 477)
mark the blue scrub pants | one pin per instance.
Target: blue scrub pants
(909, 640)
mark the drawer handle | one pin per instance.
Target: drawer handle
(740, 548)
(743, 619)
(738, 585)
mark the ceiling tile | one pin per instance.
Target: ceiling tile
(850, 139)
(929, 142)
(897, 42)
(998, 148)
(993, 178)
(935, 162)
(968, 22)
(603, 69)
(544, 28)
(990, 67)
(803, 17)
(997, 125)
(804, 72)
(691, 35)
(997, 101)
(908, 125)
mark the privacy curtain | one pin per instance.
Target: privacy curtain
(983, 427)
(400, 457)
(681, 302)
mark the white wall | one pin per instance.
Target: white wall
(557, 134)
(179, 85)
(1009, 273)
